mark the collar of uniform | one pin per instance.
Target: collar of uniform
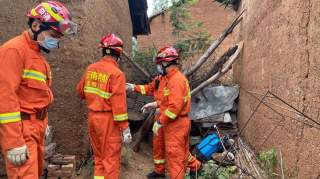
(110, 60)
(33, 44)
(171, 72)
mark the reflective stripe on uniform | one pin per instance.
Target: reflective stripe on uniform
(10, 117)
(97, 91)
(35, 75)
(56, 16)
(187, 97)
(120, 117)
(190, 157)
(161, 161)
(166, 92)
(98, 177)
(170, 114)
(143, 90)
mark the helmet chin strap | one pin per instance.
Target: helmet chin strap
(36, 34)
(43, 49)
(164, 67)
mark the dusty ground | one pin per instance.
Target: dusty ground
(139, 164)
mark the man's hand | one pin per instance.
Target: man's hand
(147, 107)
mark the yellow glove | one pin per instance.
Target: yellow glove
(156, 127)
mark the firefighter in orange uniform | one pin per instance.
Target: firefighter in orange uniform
(103, 88)
(25, 80)
(172, 95)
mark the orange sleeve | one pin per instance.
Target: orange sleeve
(177, 93)
(11, 69)
(147, 89)
(80, 86)
(119, 101)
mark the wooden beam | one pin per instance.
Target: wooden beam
(214, 45)
(220, 73)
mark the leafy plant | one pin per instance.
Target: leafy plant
(230, 3)
(268, 161)
(192, 39)
(212, 171)
(146, 59)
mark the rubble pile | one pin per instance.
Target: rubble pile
(61, 167)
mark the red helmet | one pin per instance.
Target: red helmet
(113, 43)
(167, 54)
(54, 15)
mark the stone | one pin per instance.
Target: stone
(50, 150)
(48, 135)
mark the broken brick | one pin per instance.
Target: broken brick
(55, 173)
(53, 177)
(50, 150)
(70, 158)
(52, 167)
(69, 167)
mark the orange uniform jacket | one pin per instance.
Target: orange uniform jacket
(103, 87)
(173, 95)
(25, 80)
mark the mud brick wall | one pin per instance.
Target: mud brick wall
(281, 54)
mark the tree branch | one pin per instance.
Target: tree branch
(214, 45)
(221, 72)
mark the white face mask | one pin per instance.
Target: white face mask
(160, 69)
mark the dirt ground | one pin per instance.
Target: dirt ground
(137, 165)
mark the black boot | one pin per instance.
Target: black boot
(193, 174)
(154, 175)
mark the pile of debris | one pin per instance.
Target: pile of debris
(61, 167)
(57, 166)
(50, 147)
(216, 106)
(213, 115)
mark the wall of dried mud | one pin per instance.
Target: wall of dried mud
(96, 18)
(281, 54)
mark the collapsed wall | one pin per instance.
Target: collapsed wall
(281, 54)
(96, 18)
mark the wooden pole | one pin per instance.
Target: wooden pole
(214, 45)
(146, 126)
(221, 72)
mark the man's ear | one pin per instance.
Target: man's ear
(35, 26)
